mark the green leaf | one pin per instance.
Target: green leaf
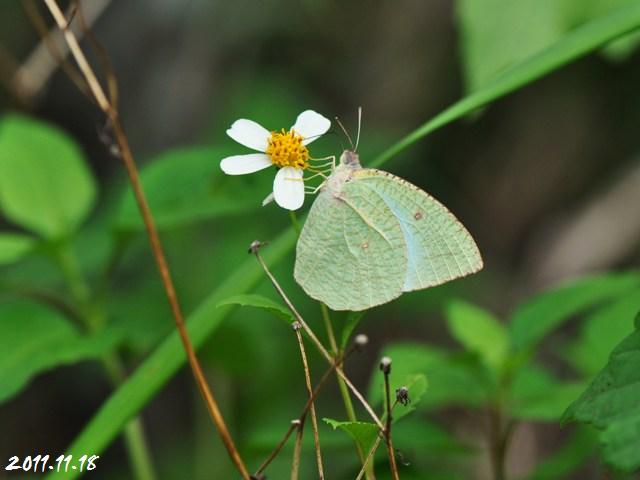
(478, 331)
(45, 185)
(498, 34)
(187, 185)
(168, 357)
(161, 365)
(363, 433)
(536, 395)
(34, 339)
(610, 404)
(14, 246)
(575, 44)
(547, 311)
(452, 380)
(259, 301)
(601, 332)
(352, 321)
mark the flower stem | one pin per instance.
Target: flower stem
(342, 386)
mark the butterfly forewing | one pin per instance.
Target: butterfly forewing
(439, 248)
(351, 254)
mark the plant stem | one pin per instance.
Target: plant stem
(297, 448)
(312, 408)
(367, 461)
(387, 428)
(323, 351)
(110, 110)
(342, 386)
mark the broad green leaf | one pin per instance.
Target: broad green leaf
(497, 34)
(34, 338)
(168, 357)
(161, 365)
(478, 331)
(601, 332)
(546, 312)
(577, 43)
(45, 185)
(259, 301)
(610, 404)
(452, 380)
(14, 246)
(568, 458)
(185, 186)
(352, 321)
(536, 395)
(363, 433)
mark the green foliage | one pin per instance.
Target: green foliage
(45, 185)
(453, 380)
(498, 34)
(536, 395)
(611, 405)
(165, 360)
(478, 331)
(363, 433)
(35, 339)
(601, 332)
(14, 246)
(185, 186)
(571, 46)
(251, 300)
(546, 312)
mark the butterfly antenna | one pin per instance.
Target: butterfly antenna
(359, 125)
(345, 132)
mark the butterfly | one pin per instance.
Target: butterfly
(370, 236)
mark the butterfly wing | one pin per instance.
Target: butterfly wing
(351, 253)
(439, 247)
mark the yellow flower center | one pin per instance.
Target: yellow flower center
(286, 149)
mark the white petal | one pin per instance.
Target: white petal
(311, 125)
(250, 134)
(288, 188)
(241, 164)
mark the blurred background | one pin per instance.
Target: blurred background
(547, 180)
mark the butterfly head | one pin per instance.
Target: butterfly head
(350, 158)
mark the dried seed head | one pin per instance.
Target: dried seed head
(255, 246)
(385, 365)
(296, 326)
(361, 340)
(296, 422)
(402, 396)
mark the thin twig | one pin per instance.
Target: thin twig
(293, 426)
(312, 408)
(303, 414)
(152, 232)
(344, 391)
(314, 338)
(385, 366)
(372, 451)
(297, 449)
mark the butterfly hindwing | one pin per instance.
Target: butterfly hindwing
(351, 253)
(439, 248)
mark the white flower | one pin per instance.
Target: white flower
(286, 150)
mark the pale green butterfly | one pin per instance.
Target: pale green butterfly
(370, 236)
